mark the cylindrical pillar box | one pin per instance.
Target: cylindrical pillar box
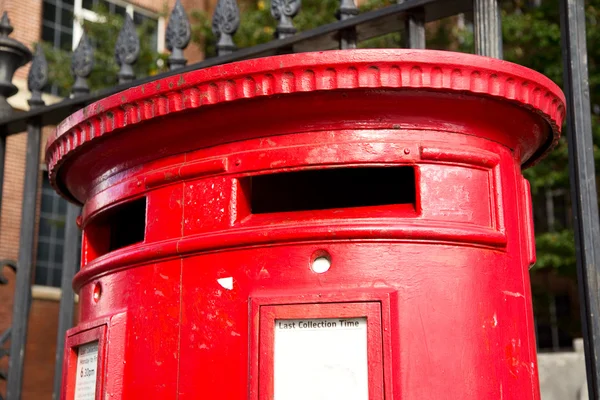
(335, 225)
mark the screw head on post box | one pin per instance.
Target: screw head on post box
(345, 224)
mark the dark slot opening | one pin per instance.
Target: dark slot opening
(127, 224)
(332, 188)
(118, 227)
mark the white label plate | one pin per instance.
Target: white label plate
(87, 368)
(321, 359)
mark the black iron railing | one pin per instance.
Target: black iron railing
(351, 28)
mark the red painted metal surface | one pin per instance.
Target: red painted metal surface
(442, 250)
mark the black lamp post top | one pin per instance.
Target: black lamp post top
(10, 45)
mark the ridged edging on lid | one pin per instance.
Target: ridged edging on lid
(98, 121)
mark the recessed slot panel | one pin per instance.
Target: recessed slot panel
(113, 229)
(128, 224)
(332, 188)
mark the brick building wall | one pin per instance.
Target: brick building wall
(26, 18)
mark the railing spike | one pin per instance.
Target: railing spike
(178, 36)
(82, 63)
(127, 50)
(38, 77)
(226, 21)
(284, 11)
(5, 26)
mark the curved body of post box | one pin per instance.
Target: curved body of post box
(208, 196)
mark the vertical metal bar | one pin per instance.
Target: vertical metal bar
(583, 182)
(81, 66)
(488, 28)
(65, 316)
(414, 29)
(24, 264)
(347, 10)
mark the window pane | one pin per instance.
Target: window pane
(154, 40)
(150, 26)
(46, 186)
(105, 5)
(47, 34)
(66, 41)
(88, 4)
(69, 3)
(43, 252)
(45, 228)
(41, 276)
(49, 12)
(62, 206)
(47, 201)
(60, 230)
(66, 18)
(58, 254)
(119, 10)
(56, 277)
(138, 18)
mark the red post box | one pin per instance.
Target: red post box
(336, 225)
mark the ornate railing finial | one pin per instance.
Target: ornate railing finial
(127, 50)
(226, 21)
(284, 11)
(5, 27)
(13, 54)
(178, 36)
(82, 63)
(38, 77)
(347, 10)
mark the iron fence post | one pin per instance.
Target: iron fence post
(14, 54)
(414, 29)
(82, 62)
(22, 295)
(65, 316)
(488, 28)
(583, 181)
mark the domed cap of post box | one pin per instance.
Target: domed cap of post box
(332, 90)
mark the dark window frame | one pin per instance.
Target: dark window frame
(53, 211)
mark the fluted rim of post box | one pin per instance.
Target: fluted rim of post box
(446, 72)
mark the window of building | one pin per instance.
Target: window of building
(51, 237)
(57, 23)
(84, 10)
(62, 22)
